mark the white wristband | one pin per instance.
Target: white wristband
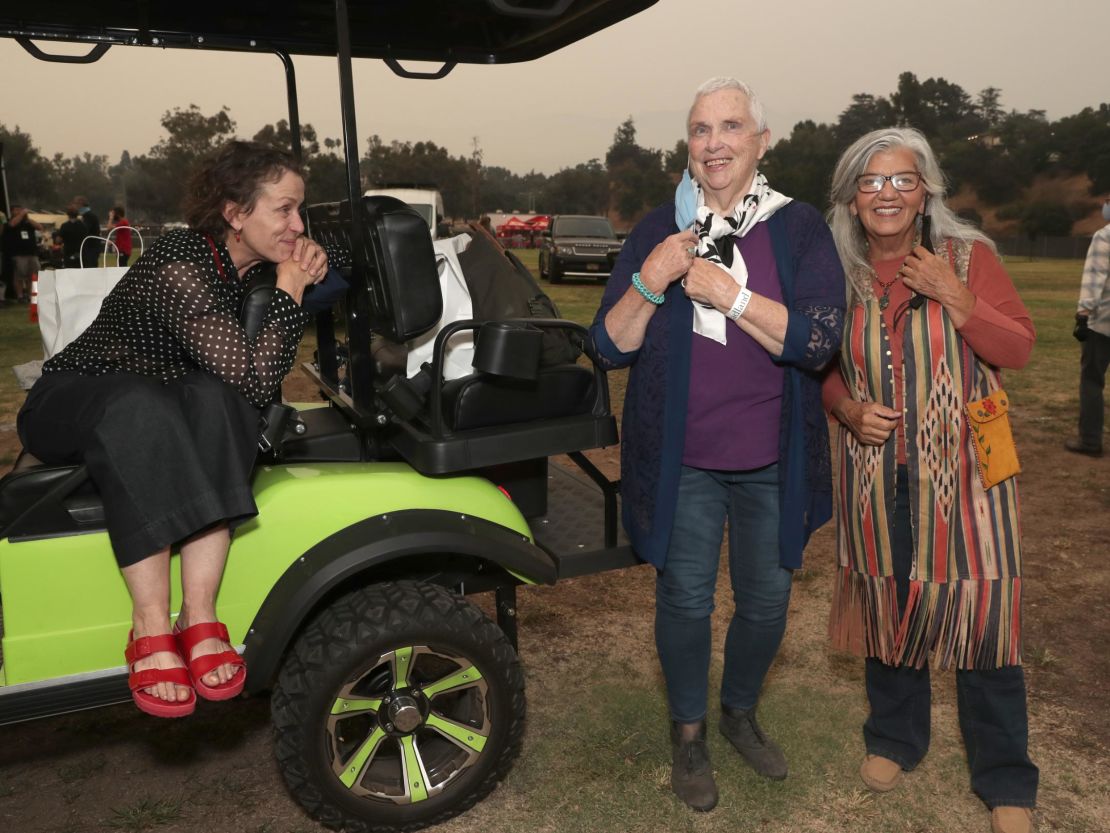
(740, 304)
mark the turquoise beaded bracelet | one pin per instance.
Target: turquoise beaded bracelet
(655, 298)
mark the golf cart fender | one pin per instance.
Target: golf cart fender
(390, 545)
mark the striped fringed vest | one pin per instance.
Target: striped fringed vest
(965, 588)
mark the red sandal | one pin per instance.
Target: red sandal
(149, 677)
(187, 640)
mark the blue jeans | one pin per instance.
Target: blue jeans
(684, 588)
(992, 711)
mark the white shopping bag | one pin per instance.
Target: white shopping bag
(69, 300)
(459, 356)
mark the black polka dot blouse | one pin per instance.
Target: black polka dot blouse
(173, 313)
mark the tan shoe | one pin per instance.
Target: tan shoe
(880, 774)
(1011, 820)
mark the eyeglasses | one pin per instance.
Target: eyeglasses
(902, 181)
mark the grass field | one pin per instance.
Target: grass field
(596, 756)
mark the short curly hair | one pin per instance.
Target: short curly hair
(237, 173)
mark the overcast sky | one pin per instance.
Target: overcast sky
(805, 58)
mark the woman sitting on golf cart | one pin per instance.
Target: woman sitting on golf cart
(159, 399)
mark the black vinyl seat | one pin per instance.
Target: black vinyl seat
(37, 500)
(480, 401)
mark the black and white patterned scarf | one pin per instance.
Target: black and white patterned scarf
(757, 205)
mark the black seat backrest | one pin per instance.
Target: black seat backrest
(397, 262)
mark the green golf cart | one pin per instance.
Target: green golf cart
(396, 701)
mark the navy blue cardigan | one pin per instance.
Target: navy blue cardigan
(654, 423)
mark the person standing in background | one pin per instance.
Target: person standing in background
(73, 234)
(122, 238)
(1092, 328)
(90, 251)
(21, 246)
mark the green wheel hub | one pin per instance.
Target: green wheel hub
(408, 724)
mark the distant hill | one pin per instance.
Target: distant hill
(1072, 192)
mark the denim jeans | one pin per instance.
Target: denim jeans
(685, 587)
(991, 703)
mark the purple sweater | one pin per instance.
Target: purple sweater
(732, 424)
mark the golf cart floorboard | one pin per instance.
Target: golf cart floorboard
(572, 531)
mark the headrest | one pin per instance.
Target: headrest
(404, 293)
(398, 263)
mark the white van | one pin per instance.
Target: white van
(424, 198)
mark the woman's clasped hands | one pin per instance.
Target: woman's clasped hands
(307, 265)
(704, 282)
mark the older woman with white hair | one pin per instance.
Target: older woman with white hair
(929, 547)
(725, 305)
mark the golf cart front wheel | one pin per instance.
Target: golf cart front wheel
(399, 706)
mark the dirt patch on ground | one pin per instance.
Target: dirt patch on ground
(114, 769)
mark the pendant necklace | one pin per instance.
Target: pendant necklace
(884, 299)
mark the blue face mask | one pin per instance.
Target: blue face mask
(1106, 211)
(685, 202)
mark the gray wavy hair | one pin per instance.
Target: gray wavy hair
(847, 230)
(723, 82)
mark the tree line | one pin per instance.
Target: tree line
(996, 153)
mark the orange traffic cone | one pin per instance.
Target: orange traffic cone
(34, 306)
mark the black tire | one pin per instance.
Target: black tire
(352, 656)
(544, 272)
(554, 273)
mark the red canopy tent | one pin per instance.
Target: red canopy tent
(513, 225)
(517, 232)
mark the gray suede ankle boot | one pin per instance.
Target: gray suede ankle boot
(762, 754)
(691, 772)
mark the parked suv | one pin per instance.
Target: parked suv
(578, 245)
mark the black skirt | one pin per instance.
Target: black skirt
(169, 460)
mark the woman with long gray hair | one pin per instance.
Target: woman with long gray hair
(929, 557)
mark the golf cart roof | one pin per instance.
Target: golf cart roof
(460, 31)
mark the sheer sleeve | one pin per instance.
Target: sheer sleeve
(186, 302)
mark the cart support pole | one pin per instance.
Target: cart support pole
(506, 611)
(360, 369)
(4, 186)
(609, 490)
(291, 97)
